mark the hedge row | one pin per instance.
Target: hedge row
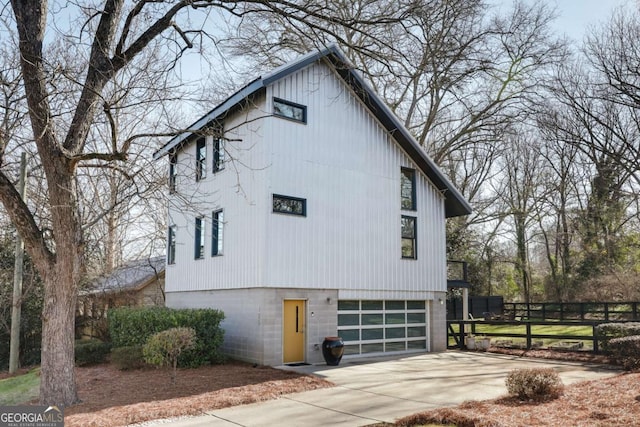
(608, 331)
(626, 351)
(132, 326)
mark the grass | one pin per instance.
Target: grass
(577, 330)
(20, 389)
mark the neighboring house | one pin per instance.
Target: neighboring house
(303, 208)
(137, 283)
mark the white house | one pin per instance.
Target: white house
(303, 208)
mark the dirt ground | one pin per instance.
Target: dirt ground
(113, 398)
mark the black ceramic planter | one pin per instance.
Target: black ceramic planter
(332, 349)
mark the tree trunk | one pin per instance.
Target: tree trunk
(58, 380)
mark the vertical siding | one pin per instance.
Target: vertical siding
(238, 189)
(346, 166)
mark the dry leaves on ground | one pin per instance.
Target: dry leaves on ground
(601, 403)
(114, 398)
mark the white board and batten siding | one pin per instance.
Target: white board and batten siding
(347, 168)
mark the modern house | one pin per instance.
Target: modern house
(303, 208)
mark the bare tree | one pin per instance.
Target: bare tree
(66, 99)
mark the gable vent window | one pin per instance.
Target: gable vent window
(199, 238)
(289, 205)
(201, 159)
(289, 110)
(218, 154)
(408, 189)
(409, 237)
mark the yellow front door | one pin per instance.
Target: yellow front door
(293, 331)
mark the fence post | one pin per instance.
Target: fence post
(462, 334)
(528, 336)
(582, 311)
(595, 339)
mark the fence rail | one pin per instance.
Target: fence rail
(471, 327)
(582, 311)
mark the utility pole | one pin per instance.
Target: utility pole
(16, 308)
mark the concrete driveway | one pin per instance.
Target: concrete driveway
(383, 389)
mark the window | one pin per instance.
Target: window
(408, 189)
(289, 110)
(217, 224)
(171, 243)
(218, 154)
(199, 238)
(289, 205)
(173, 171)
(409, 237)
(201, 159)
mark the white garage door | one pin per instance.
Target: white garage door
(377, 326)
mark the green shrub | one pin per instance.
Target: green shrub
(133, 326)
(608, 331)
(128, 358)
(626, 351)
(91, 352)
(164, 348)
(535, 384)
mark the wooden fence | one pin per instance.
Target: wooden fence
(531, 340)
(582, 311)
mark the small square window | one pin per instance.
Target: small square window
(289, 205)
(289, 110)
(409, 237)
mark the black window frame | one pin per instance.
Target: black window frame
(412, 181)
(218, 154)
(217, 232)
(294, 105)
(284, 198)
(173, 171)
(199, 238)
(413, 236)
(201, 158)
(171, 245)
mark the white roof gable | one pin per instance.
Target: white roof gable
(455, 203)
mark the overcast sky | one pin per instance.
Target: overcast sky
(576, 15)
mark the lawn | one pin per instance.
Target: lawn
(500, 332)
(20, 389)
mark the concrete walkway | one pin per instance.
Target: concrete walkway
(383, 389)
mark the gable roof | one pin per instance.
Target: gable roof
(132, 276)
(455, 203)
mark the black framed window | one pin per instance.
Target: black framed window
(199, 238)
(289, 205)
(218, 154)
(173, 171)
(409, 241)
(289, 110)
(201, 159)
(171, 245)
(408, 189)
(217, 228)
